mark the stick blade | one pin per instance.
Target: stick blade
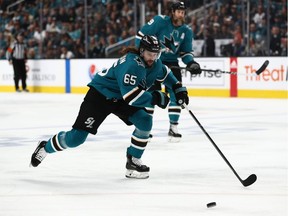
(262, 68)
(250, 180)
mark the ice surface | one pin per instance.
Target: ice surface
(184, 177)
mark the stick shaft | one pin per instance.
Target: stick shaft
(208, 70)
(214, 144)
(259, 71)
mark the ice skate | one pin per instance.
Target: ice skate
(136, 169)
(174, 135)
(38, 155)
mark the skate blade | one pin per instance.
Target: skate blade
(174, 139)
(136, 175)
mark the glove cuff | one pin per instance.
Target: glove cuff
(176, 86)
(179, 88)
(190, 63)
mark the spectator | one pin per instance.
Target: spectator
(262, 28)
(259, 15)
(79, 50)
(2, 54)
(208, 48)
(276, 20)
(10, 26)
(31, 54)
(238, 32)
(194, 24)
(65, 53)
(284, 43)
(51, 25)
(200, 33)
(92, 46)
(233, 49)
(3, 42)
(252, 34)
(225, 33)
(38, 35)
(233, 13)
(275, 43)
(216, 31)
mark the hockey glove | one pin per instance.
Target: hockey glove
(160, 99)
(181, 94)
(194, 68)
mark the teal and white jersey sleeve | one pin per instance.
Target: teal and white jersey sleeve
(167, 77)
(186, 49)
(176, 42)
(151, 28)
(170, 80)
(129, 79)
(126, 80)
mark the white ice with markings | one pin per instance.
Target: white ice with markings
(184, 177)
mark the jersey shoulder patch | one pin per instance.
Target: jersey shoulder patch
(160, 19)
(162, 16)
(187, 28)
(139, 61)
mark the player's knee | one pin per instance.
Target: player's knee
(75, 138)
(145, 123)
(142, 120)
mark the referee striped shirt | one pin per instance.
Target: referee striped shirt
(17, 51)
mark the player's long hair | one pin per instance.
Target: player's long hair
(131, 49)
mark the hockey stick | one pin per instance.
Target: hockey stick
(248, 181)
(259, 71)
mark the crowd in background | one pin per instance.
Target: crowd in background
(54, 29)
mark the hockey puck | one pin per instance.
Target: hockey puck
(210, 205)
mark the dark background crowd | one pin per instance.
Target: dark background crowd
(56, 29)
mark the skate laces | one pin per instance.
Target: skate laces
(41, 154)
(174, 128)
(137, 161)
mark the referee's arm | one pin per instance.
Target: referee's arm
(9, 54)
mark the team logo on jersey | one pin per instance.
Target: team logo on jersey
(139, 62)
(92, 71)
(171, 44)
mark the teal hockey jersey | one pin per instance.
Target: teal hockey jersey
(129, 79)
(176, 41)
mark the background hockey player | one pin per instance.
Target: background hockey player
(176, 40)
(121, 90)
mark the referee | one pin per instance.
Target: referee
(17, 57)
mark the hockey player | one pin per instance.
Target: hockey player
(121, 90)
(176, 39)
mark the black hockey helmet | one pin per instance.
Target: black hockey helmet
(178, 6)
(149, 43)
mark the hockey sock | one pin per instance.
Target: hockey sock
(174, 114)
(63, 140)
(139, 141)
